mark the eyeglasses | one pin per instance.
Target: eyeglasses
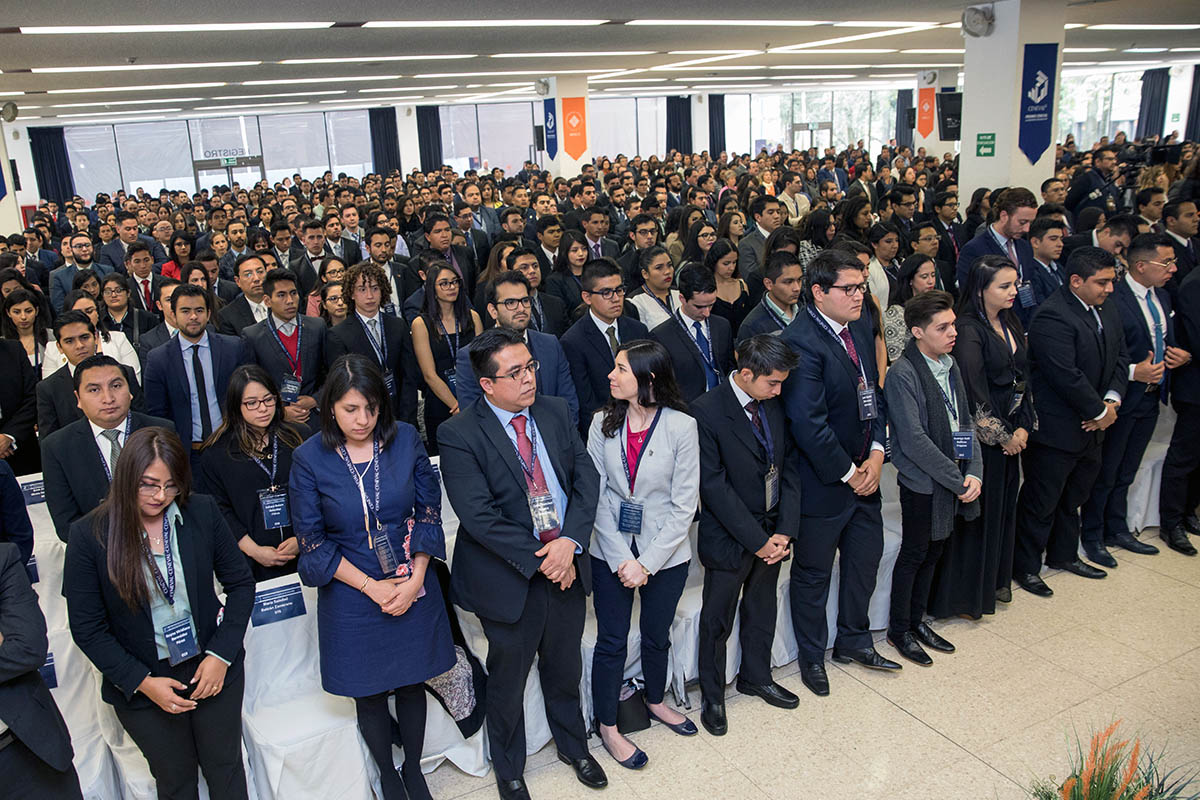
(609, 294)
(513, 303)
(254, 402)
(1170, 262)
(449, 284)
(153, 489)
(113, 291)
(708, 235)
(851, 289)
(532, 367)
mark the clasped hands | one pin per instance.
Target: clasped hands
(395, 596)
(558, 561)
(775, 549)
(865, 480)
(208, 680)
(1110, 416)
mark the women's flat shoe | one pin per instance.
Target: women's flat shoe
(685, 728)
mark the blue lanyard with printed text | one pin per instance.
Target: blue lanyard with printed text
(167, 585)
(274, 460)
(107, 469)
(293, 363)
(631, 475)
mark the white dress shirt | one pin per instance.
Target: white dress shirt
(1144, 298)
(103, 443)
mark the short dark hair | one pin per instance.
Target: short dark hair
(1146, 195)
(313, 225)
(1145, 246)
(824, 268)
(1046, 183)
(237, 265)
(921, 308)
(508, 276)
(694, 279)
(1123, 225)
(378, 231)
(764, 354)
(434, 219)
(136, 247)
(941, 198)
(73, 318)
(759, 204)
(1173, 210)
(592, 211)
(596, 270)
(548, 221)
(354, 372)
(1011, 199)
(94, 362)
(188, 290)
(1087, 261)
(484, 347)
(777, 262)
(1039, 227)
(278, 275)
(510, 260)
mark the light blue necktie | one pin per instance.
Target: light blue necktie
(1159, 340)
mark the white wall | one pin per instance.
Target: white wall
(16, 140)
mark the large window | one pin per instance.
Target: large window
(224, 137)
(349, 142)
(770, 122)
(1092, 106)
(652, 126)
(883, 119)
(612, 126)
(155, 155)
(460, 137)
(92, 151)
(505, 135)
(293, 143)
(737, 123)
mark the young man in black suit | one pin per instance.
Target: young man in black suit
(513, 463)
(1182, 221)
(1179, 492)
(250, 307)
(163, 331)
(749, 514)
(951, 236)
(548, 314)
(700, 344)
(140, 278)
(1079, 370)
(592, 341)
(78, 458)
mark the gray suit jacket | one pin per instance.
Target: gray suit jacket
(750, 253)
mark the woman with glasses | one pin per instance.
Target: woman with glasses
(333, 269)
(446, 325)
(118, 315)
(139, 583)
(245, 465)
(700, 239)
(333, 305)
(565, 282)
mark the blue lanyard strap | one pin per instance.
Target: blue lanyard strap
(293, 363)
(764, 438)
(631, 475)
(771, 313)
(825, 327)
(274, 460)
(445, 335)
(709, 359)
(103, 461)
(664, 306)
(531, 429)
(167, 585)
(358, 481)
(379, 347)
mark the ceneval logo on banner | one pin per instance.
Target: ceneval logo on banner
(1036, 123)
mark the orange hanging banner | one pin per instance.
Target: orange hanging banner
(925, 104)
(573, 126)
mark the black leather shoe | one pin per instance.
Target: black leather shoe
(1079, 568)
(1177, 540)
(930, 638)
(812, 675)
(772, 692)
(1099, 554)
(712, 717)
(685, 728)
(587, 770)
(1004, 594)
(1131, 543)
(1033, 584)
(910, 648)
(513, 790)
(1191, 524)
(867, 656)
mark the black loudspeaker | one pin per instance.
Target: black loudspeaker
(949, 109)
(12, 164)
(910, 118)
(539, 137)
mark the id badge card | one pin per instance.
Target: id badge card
(389, 382)
(181, 641)
(629, 518)
(274, 503)
(289, 389)
(1025, 295)
(393, 563)
(868, 403)
(450, 381)
(1016, 402)
(964, 445)
(772, 488)
(545, 515)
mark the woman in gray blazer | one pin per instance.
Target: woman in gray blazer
(645, 447)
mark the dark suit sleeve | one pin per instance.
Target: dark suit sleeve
(233, 573)
(138, 403)
(1052, 338)
(1120, 379)
(158, 402)
(466, 382)
(808, 415)
(19, 424)
(410, 379)
(22, 624)
(16, 525)
(60, 500)
(577, 362)
(47, 414)
(225, 322)
(717, 493)
(566, 386)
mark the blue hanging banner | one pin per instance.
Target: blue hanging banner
(1037, 100)
(551, 128)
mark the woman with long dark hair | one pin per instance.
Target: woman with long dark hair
(816, 234)
(565, 282)
(700, 238)
(855, 219)
(333, 269)
(732, 226)
(688, 216)
(978, 210)
(645, 447)
(917, 275)
(138, 580)
(182, 249)
(734, 297)
(884, 239)
(24, 322)
(655, 301)
(333, 305)
(366, 508)
(86, 281)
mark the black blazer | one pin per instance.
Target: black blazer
(235, 317)
(350, 336)
(591, 360)
(136, 300)
(119, 640)
(57, 406)
(564, 287)
(760, 320)
(686, 358)
(1072, 367)
(1185, 264)
(733, 468)
(1138, 341)
(266, 351)
(18, 405)
(1185, 380)
(302, 267)
(137, 323)
(494, 552)
(73, 469)
(553, 316)
(1074, 242)
(158, 335)
(25, 702)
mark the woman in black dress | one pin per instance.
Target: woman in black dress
(565, 281)
(733, 295)
(976, 568)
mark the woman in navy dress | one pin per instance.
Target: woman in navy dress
(380, 634)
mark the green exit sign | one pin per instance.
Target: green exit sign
(229, 162)
(985, 145)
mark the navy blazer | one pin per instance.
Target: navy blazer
(591, 360)
(113, 254)
(820, 398)
(985, 244)
(350, 336)
(690, 369)
(1137, 336)
(553, 375)
(167, 391)
(1045, 284)
(60, 281)
(15, 526)
(266, 351)
(235, 317)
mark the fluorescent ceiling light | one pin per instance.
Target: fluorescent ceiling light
(820, 66)
(11, 94)
(919, 65)
(1086, 49)
(133, 67)
(94, 120)
(1144, 27)
(936, 51)
(1080, 63)
(726, 78)
(866, 23)
(629, 80)
(183, 28)
(890, 75)
(858, 37)
(126, 102)
(1185, 49)
(708, 68)
(118, 113)
(145, 88)
(277, 94)
(714, 52)
(578, 54)
(251, 105)
(723, 23)
(1145, 50)
(1070, 26)
(484, 23)
(827, 77)
(408, 88)
(370, 100)
(858, 51)
(339, 79)
(361, 59)
(618, 73)
(544, 72)
(710, 87)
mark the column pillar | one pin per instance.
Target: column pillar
(570, 95)
(995, 88)
(10, 210)
(934, 81)
(699, 123)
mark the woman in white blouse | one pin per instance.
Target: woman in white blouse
(110, 343)
(656, 301)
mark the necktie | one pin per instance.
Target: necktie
(1012, 251)
(1099, 324)
(848, 341)
(613, 344)
(536, 483)
(755, 420)
(146, 294)
(706, 352)
(373, 326)
(596, 249)
(201, 393)
(114, 447)
(1159, 342)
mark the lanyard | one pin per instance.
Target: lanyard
(379, 347)
(166, 586)
(274, 461)
(771, 313)
(664, 306)
(709, 360)
(293, 363)
(532, 465)
(362, 492)
(446, 336)
(631, 475)
(825, 327)
(951, 399)
(107, 469)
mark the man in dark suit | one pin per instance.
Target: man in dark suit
(15, 526)
(438, 236)
(548, 313)
(78, 458)
(596, 223)
(1114, 236)
(1179, 491)
(950, 231)
(477, 240)
(1046, 238)
(140, 279)
(186, 380)
(699, 343)
(163, 331)
(1146, 315)
(828, 172)
(1015, 210)
(383, 338)
(554, 374)
(1182, 222)
(347, 249)
(113, 253)
(924, 241)
(527, 491)
(749, 514)
(767, 214)
(835, 414)
(80, 247)
(18, 408)
(1079, 370)
(643, 234)
(250, 307)
(593, 340)
(35, 745)
(305, 261)
(783, 283)
(290, 347)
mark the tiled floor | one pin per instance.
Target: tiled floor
(980, 724)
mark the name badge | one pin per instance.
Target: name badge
(274, 503)
(181, 641)
(964, 445)
(289, 389)
(1016, 402)
(278, 604)
(543, 512)
(771, 498)
(1025, 295)
(629, 518)
(392, 554)
(34, 491)
(31, 569)
(48, 673)
(389, 381)
(450, 379)
(868, 403)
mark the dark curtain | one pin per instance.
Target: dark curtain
(679, 124)
(51, 166)
(1192, 131)
(716, 124)
(385, 141)
(1154, 102)
(904, 131)
(429, 137)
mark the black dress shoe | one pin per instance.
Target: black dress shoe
(1079, 568)
(513, 790)
(910, 648)
(772, 692)
(1099, 554)
(1177, 540)
(1033, 584)
(867, 656)
(712, 717)
(1191, 524)
(812, 675)
(1131, 543)
(685, 728)
(1004, 594)
(930, 638)
(587, 770)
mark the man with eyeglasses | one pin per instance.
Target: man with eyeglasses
(700, 344)
(835, 415)
(925, 241)
(78, 459)
(1095, 186)
(82, 251)
(643, 234)
(547, 313)
(510, 305)
(904, 200)
(951, 236)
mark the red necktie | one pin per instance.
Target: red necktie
(146, 294)
(848, 340)
(1012, 252)
(537, 482)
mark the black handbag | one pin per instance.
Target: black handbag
(632, 714)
